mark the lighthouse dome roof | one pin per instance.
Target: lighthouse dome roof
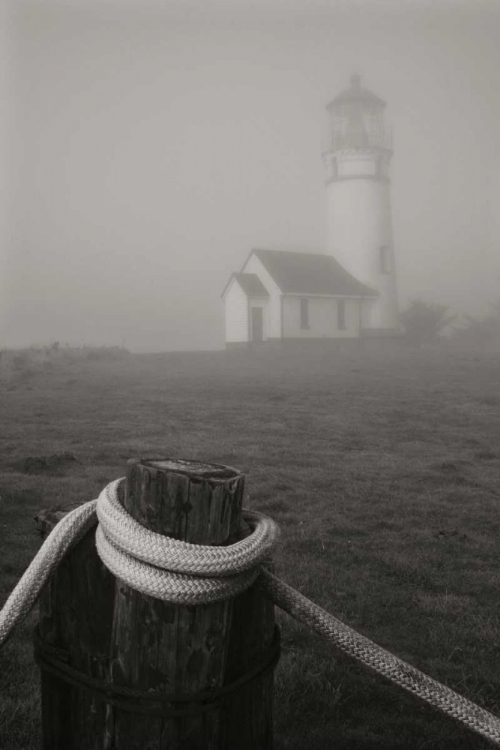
(356, 93)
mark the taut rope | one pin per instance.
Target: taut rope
(185, 573)
(381, 661)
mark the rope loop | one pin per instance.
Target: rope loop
(175, 571)
(151, 563)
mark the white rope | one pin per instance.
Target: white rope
(69, 530)
(191, 559)
(381, 661)
(177, 572)
(148, 562)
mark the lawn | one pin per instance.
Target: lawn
(382, 468)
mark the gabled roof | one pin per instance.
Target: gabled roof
(307, 273)
(250, 283)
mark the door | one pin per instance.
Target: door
(257, 324)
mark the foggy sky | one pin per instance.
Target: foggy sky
(152, 145)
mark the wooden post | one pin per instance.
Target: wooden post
(248, 721)
(139, 642)
(76, 610)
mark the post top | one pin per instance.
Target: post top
(190, 468)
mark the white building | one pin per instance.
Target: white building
(351, 290)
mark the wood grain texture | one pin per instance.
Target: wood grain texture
(113, 632)
(76, 609)
(248, 719)
(174, 649)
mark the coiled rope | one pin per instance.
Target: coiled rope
(177, 572)
(153, 564)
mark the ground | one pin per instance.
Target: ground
(382, 468)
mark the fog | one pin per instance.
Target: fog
(146, 148)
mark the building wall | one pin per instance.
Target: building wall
(236, 314)
(273, 316)
(367, 313)
(322, 318)
(359, 224)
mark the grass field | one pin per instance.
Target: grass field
(381, 467)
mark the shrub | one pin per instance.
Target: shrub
(423, 321)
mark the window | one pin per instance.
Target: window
(341, 315)
(304, 314)
(384, 259)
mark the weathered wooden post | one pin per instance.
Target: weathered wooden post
(249, 711)
(99, 627)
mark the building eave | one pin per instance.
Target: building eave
(226, 288)
(234, 278)
(332, 296)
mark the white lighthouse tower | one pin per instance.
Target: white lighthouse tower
(359, 227)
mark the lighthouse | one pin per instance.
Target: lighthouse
(359, 227)
(349, 290)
